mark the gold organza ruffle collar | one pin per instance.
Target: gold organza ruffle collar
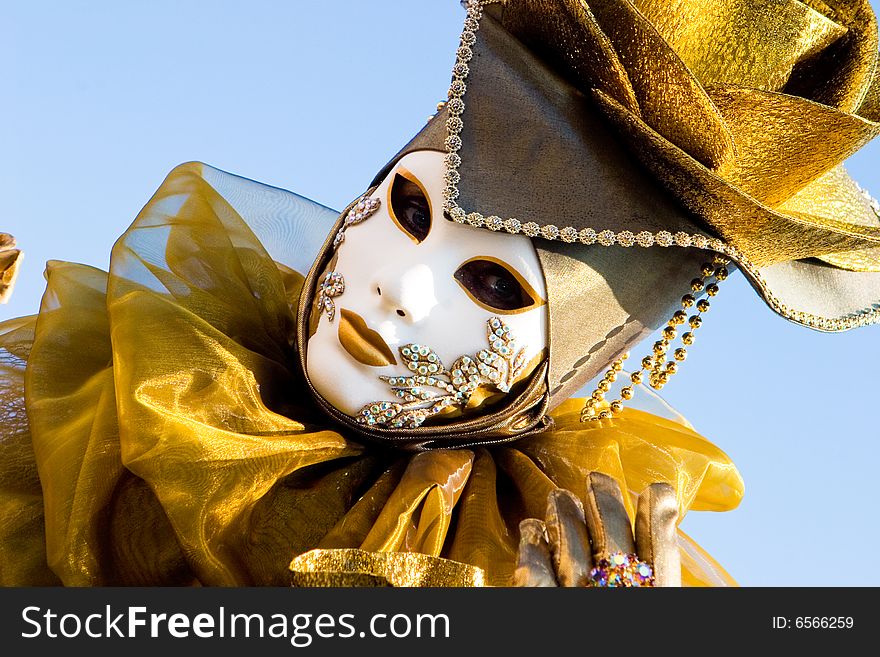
(156, 430)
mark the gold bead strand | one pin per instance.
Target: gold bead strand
(661, 372)
(591, 410)
(653, 369)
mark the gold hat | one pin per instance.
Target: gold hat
(674, 133)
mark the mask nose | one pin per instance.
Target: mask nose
(408, 293)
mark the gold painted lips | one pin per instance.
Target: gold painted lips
(363, 343)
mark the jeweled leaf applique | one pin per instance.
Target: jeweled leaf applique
(332, 285)
(361, 211)
(430, 387)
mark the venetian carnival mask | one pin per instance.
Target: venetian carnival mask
(515, 249)
(417, 318)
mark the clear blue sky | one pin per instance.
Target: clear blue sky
(103, 98)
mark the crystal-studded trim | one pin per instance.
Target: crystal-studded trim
(332, 285)
(454, 125)
(430, 388)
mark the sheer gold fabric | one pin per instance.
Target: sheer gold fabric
(170, 438)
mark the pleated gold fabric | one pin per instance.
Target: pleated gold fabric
(72, 414)
(169, 437)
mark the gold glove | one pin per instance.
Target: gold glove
(592, 544)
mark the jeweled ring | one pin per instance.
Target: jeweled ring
(621, 569)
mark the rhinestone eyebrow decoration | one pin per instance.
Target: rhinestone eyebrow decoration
(498, 366)
(332, 285)
(360, 211)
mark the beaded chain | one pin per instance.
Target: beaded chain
(653, 369)
(645, 239)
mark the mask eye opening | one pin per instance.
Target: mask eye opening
(495, 286)
(409, 205)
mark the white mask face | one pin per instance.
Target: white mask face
(405, 275)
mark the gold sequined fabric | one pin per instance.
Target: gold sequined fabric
(155, 429)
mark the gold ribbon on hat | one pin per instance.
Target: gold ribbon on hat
(743, 109)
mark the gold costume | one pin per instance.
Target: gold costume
(172, 440)
(158, 427)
